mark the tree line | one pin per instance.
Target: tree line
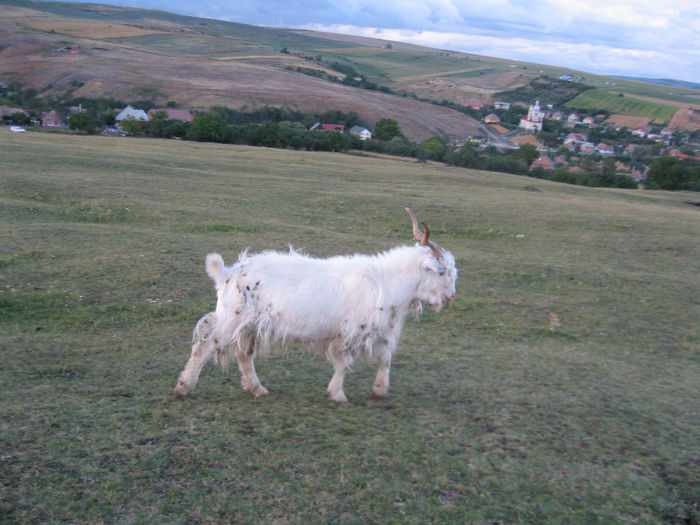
(282, 128)
(287, 128)
(276, 128)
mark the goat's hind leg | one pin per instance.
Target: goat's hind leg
(203, 347)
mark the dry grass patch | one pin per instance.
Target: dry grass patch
(628, 121)
(355, 51)
(87, 28)
(686, 119)
(675, 103)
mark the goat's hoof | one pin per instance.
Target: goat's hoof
(180, 391)
(378, 394)
(339, 398)
(260, 391)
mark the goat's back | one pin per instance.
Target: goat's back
(304, 298)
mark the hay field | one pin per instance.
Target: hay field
(628, 121)
(92, 29)
(625, 105)
(687, 117)
(561, 385)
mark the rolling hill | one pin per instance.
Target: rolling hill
(198, 63)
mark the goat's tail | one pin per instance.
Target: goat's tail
(215, 268)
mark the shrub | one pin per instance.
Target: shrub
(209, 127)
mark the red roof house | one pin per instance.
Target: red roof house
(51, 120)
(605, 149)
(333, 127)
(543, 162)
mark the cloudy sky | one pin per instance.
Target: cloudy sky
(647, 38)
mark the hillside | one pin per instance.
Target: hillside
(560, 385)
(124, 53)
(198, 64)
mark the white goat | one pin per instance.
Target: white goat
(344, 307)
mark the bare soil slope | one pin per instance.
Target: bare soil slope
(461, 90)
(105, 68)
(686, 119)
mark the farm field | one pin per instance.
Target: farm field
(628, 121)
(597, 99)
(561, 385)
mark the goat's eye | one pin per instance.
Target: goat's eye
(441, 271)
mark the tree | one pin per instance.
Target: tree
(386, 129)
(466, 157)
(434, 148)
(336, 141)
(400, 145)
(20, 118)
(666, 173)
(208, 127)
(133, 126)
(82, 122)
(161, 126)
(107, 118)
(268, 134)
(528, 153)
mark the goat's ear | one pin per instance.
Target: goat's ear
(430, 265)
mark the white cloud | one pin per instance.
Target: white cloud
(626, 37)
(595, 58)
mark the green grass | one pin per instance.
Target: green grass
(492, 416)
(201, 45)
(471, 74)
(399, 64)
(596, 99)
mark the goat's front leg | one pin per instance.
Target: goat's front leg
(249, 379)
(381, 382)
(203, 347)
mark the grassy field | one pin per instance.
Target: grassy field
(596, 99)
(561, 386)
(396, 65)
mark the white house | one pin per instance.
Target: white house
(667, 133)
(574, 140)
(573, 119)
(363, 133)
(129, 112)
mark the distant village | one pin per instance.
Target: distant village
(54, 120)
(580, 141)
(614, 139)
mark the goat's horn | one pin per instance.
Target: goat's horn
(417, 234)
(424, 238)
(426, 235)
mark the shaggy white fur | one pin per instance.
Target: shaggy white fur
(345, 307)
